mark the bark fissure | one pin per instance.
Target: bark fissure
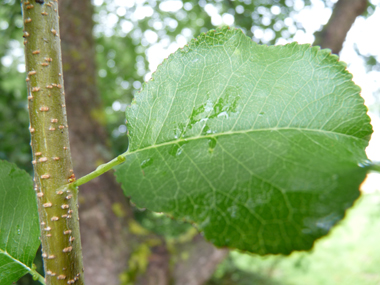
(57, 203)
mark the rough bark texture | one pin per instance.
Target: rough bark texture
(334, 32)
(104, 236)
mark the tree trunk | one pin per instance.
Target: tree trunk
(334, 32)
(104, 234)
(201, 264)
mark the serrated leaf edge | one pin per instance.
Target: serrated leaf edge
(193, 42)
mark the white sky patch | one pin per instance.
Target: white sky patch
(213, 12)
(142, 12)
(116, 106)
(187, 33)
(7, 60)
(4, 25)
(298, 5)
(15, 55)
(112, 20)
(151, 36)
(216, 20)
(181, 40)
(268, 35)
(121, 11)
(171, 23)
(303, 38)
(122, 128)
(21, 67)
(124, 3)
(228, 19)
(171, 6)
(239, 9)
(97, 2)
(314, 17)
(157, 25)
(188, 6)
(126, 26)
(275, 10)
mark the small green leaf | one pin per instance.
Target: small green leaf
(261, 147)
(19, 230)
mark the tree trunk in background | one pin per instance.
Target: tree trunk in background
(334, 32)
(105, 240)
(104, 235)
(203, 259)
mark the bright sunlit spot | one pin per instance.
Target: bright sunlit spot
(171, 6)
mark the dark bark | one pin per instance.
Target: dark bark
(334, 32)
(104, 236)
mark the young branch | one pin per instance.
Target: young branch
(57, 203)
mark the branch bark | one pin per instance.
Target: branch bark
(334, 32)
(105, 237)
(57, 204)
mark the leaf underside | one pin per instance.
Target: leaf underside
(19, 230)
(261, 147)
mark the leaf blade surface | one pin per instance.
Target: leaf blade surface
(259, 146)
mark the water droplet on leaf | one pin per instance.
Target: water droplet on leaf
(146, 163)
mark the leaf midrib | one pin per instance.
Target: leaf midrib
(16, 260)
(174, 142)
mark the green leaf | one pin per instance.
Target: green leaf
(19, 230)
(261, 147)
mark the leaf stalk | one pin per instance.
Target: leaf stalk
(98, 171)
(37, 276)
